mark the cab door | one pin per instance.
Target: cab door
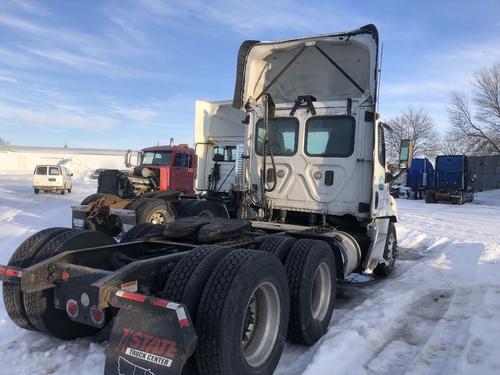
(182, 173)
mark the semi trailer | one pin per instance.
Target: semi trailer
(452, 181)
(205, 295)
(419, 178)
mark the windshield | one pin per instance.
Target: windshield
(282, 135)
(156, 158)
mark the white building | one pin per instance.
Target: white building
(25, 158)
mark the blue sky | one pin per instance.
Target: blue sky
(125, 74)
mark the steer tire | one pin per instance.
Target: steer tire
(141, 230)
(278, 245)
(308, 264)
(205, 208)
(91, 198)
(40, 308)
(13, 296)
(390, 253)
(244, 280)
(152, 210)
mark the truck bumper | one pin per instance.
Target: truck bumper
(150, 336)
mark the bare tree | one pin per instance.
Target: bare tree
(414, 124)
(480, 123)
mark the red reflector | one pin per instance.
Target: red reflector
(132, 296)
(184, 323)
(97, 315)
(65, 276)
(160, 302)
(13, 273)
(2, 270)
(72, 308)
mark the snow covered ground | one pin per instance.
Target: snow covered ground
(439, 313)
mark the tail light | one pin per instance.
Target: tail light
(72, 308)
(97, 315)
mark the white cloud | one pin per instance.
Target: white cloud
(8, 79)
(259, 17)
(136, 113)
(46, 118)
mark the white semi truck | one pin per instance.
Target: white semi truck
(207, 295)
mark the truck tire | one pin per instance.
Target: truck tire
(40, 308)
(91, 198)
(278, 245)
(310, 268)
(13, 296)
(141, 230)
(430, 196)
(390, 253)
(205, 208)
(154, 211)
(245, 283)
(186, 282)
(37, 191)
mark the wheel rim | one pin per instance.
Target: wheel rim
(157, 217)
(321, 292)
(261, 324)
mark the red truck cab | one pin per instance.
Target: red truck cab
(176, 166)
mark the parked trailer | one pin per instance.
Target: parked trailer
(419, 178)
(452, 180)
(217, 295)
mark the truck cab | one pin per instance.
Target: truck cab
(314, 148)
(172, 166)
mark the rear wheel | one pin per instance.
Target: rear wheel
(155, 211)
(91, 198)
(310, 268)
(40, 306)
(63, 192)
(205, 208)
(141, 230)
(390, 253)
(13, 296)
(37, 191)
(430, 196)
(278, 245)
(243, 315)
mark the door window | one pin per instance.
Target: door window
(381, 145)
(183, 161)
(330, 136)
(224, 153)
(54, 171)
(41, 171)
(283, 135)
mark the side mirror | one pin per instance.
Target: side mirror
(405, 155)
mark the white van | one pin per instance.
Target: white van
(52, 178)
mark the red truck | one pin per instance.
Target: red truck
(158, 191)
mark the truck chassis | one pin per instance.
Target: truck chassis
(72, 283)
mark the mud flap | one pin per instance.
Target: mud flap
(149, 337)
